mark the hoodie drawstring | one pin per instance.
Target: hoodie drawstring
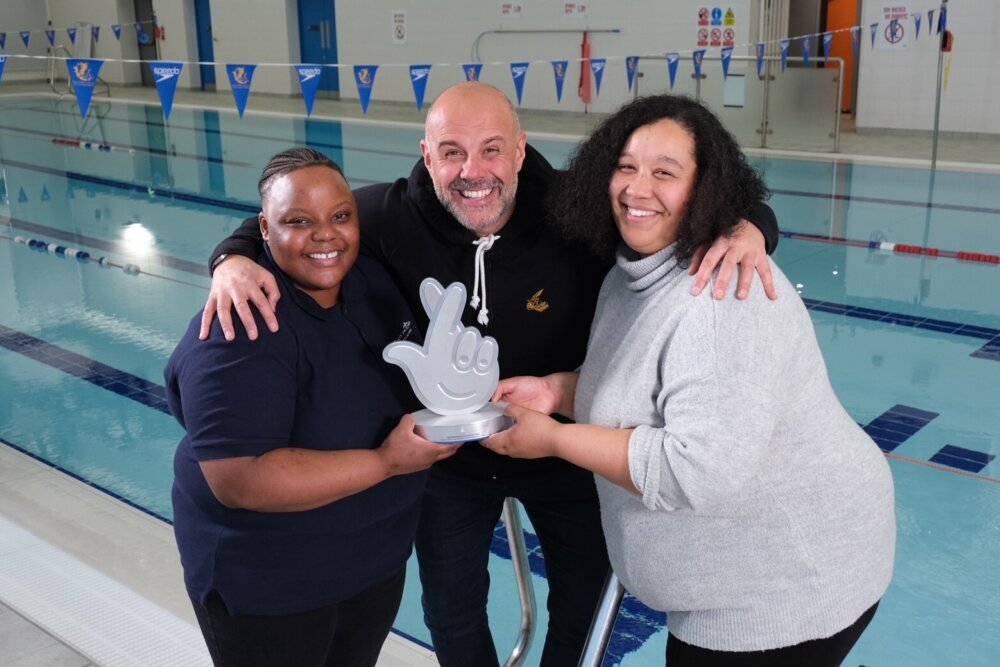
(482, 245)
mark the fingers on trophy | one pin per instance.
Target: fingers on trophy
(454, 373)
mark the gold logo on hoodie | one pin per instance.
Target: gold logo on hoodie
(536, 303)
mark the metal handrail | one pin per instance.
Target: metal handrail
(525, 591)
(603, 623)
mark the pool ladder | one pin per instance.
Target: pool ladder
(604, 616)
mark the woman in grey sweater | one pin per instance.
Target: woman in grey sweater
(736, 492)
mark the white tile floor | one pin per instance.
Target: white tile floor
(86, 580)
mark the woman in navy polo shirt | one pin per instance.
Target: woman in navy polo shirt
(297, 483)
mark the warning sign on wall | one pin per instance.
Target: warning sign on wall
(716, 26)
(895, 26)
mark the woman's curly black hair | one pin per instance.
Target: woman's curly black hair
(726, 187)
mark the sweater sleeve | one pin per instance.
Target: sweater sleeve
(245, 241)
(718, 411)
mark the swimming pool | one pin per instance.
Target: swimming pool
(899, 280)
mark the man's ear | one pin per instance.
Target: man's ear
(425, 151)
(262, 221)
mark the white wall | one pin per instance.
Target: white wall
(18, 16)
(897, 88)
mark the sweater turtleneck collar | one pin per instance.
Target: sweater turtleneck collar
(647, 273)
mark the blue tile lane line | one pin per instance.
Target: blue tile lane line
(991, 350)
(897, 425)
(124, 384)
(962, 458)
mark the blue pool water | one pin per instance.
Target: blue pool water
(912, 341)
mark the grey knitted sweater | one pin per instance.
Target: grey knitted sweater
(767, 514)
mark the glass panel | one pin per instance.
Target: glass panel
(802, 107)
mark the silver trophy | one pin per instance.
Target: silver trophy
(454, 373)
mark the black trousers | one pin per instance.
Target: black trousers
(349, 633)
(829, 652)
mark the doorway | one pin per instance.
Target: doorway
(206, 48)
(318, 40)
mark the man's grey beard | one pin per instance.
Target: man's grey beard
(475, 225)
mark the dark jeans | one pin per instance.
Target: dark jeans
(347, 634)
(458, 516)
(829, 652)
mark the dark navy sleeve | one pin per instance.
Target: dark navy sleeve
(763, 218)
(234, 398)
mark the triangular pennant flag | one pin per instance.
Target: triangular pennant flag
(673, 59)
(760, 59)
(45, 193)
(916, 25)
(51, 34)
(418, 77)
(827, 42)
(698, 57)
(95, 32)
(3, 61)
(559, 72)
(22, 196)
(784, 53)
(597, 67)
(472, 71)
(25, 37)
(727, 54)
(138, 30)
(942, 20)
(631, 67)
(240, 79)
(83, 73)
(3, 41)
(309, 78)
(72, 35)
(117, 29)
(165, 75)
(518, 71)
(855, 37)
(364, 78)
(874, 29)
(930, 21)
(806, 50)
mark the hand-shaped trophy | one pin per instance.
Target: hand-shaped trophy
(454, 374)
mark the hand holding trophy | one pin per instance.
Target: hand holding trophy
(454, 373)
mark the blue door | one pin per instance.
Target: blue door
(318, 39)
(206, 50)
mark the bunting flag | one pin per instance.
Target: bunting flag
(309, 77)
(117, 29)
(874, 29)
(855, 38)
(45, 193)
(784, 53)
(673, 59)
(518, 71)
(597, 67)
(631, 67)
(95, 32)
(806, 50)
(22, 196)
(25, 37)
(83, 73)
(165, 75)
(930, 21)
(51, 34)
(472, 71)
(240, 78)
(916, 25)
(3, 41)
(827, 42)
(418, 77)
(72, 35)
(559, 72)
(760, 59)
(698, 57)
(3, 61)
(138, 30)
(364, 79)
(727, 54)
(942, 20)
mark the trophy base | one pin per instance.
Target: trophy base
(452, 429)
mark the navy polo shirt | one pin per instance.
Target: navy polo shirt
(318, 383)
